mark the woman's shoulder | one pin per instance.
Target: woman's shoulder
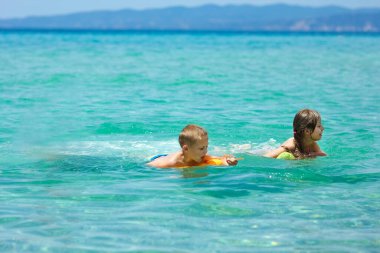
(289, 144)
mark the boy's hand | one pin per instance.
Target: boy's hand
(231, 160)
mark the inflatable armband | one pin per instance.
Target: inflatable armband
(286, 156)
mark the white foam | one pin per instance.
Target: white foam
(136, 149)
(144, 149)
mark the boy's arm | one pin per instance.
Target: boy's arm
(227, 160)
(286, 146)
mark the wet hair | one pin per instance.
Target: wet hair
(191, 134)
(304, 119)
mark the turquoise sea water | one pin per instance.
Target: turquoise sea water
(82, 111)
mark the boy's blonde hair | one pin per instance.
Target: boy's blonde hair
(191, 134)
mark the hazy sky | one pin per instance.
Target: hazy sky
(22, 8)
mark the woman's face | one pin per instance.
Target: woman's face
(316, 135)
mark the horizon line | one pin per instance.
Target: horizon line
(187, 7)
(97, 30)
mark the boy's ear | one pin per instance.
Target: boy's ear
(185, 147)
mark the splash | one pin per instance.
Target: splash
(132, 149)
(142, 150)
(251, 148)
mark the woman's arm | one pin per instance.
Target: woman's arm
(317, 150)
(286, 146)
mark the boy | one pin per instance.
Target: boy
(194, 143)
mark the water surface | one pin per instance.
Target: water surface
(81, 113)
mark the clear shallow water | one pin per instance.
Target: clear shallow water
(81, 112)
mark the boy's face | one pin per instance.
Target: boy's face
(198, 150)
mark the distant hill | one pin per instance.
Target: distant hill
(279, 17)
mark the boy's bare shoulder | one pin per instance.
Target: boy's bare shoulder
(165, 161)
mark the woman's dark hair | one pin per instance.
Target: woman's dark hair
(304, 119)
